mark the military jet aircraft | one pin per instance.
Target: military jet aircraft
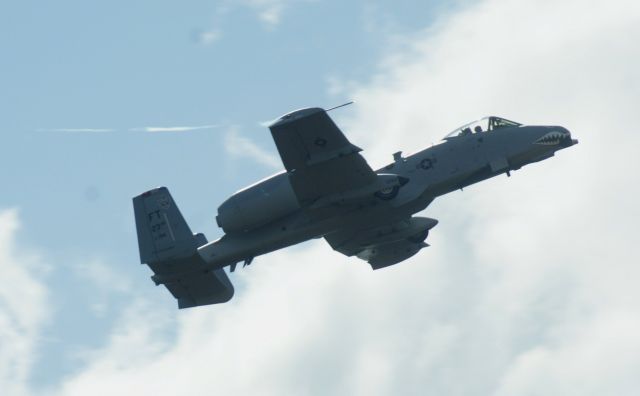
(328, 190)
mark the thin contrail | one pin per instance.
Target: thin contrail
(172, 128)
(152, 129)
(76, 130)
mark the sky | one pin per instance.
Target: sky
(529, 287)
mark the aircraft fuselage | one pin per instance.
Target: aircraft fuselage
(275, 219)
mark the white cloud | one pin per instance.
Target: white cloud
(530, 286)
(268, 11)
(106, 283)
(23, 308)
(240, 147)
(207, 37)
(103, 276)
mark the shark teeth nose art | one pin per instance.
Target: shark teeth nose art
(552, 138)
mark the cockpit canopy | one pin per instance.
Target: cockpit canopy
(485, 124)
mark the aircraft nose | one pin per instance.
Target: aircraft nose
(567, 140)
(554, 136)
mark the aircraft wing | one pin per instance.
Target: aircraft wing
(318, 157)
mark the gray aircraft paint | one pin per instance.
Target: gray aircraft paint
(328, 190)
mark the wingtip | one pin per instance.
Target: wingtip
(296, 115)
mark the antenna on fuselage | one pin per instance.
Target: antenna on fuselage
(342, 105)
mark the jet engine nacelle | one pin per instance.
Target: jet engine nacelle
(257, 205)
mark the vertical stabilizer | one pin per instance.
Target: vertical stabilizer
(163, 234)
(170, 249)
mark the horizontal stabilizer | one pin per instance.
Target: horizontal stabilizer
(193, 289)
(170, 249)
